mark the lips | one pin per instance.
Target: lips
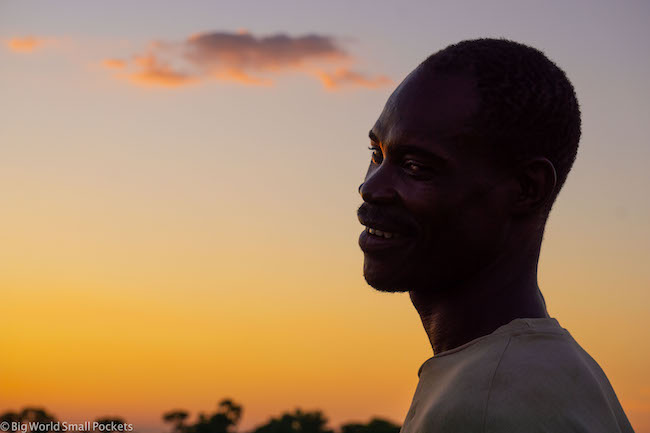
(386, 228)
(374, 240)
(370, 243)
(381, 234)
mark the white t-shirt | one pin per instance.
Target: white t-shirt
(528, 376)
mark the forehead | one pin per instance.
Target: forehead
(427, 107)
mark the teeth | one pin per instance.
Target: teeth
(386, 235)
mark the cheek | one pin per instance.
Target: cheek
(455, 226)
(479, 231)
(422, 201)
(434, 213)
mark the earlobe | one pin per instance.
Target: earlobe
(537, 179)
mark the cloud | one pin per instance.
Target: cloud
(25, 44)
(241, 77)
(271, 53)
(114, 63)
(155, 73)
(244, 59)
(345, 77)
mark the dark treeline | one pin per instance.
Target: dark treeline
(225, 419)
(39, 415)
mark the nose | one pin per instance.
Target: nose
(378, 187)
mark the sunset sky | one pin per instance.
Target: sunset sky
(178, 183)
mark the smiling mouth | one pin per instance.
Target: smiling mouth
(381, 234)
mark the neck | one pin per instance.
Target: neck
(501, 292)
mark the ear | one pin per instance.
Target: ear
(536, 179)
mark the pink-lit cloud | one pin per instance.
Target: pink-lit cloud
(245, 59)
(343, 77)
(114, 64)
(270, 53)
(25, 44)
(153, 72)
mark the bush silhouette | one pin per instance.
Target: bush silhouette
(28, 415)
(376, 425)
(177, 418)
(224, 420)
(296, 422)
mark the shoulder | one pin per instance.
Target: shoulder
(454, 387)
(545, 379)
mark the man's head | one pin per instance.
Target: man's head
(468, 156)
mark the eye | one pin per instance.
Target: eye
(377, 155)
(416, 169)
(412, 166)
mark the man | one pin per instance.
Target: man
(468, 156)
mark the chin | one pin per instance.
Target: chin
(404, 276)
(384, 280)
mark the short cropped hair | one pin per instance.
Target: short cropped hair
(527, 106)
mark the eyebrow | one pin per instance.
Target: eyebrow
(403, 149)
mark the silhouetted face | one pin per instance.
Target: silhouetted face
(434, 208)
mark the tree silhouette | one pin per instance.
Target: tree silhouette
(223, 420)
(10, 417)
(36, 414)
(177, 418)
(230, 410)
(27, 415)
(296, 422)
(107, 421)
(376, 425)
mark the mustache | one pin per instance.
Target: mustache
(386, 218)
